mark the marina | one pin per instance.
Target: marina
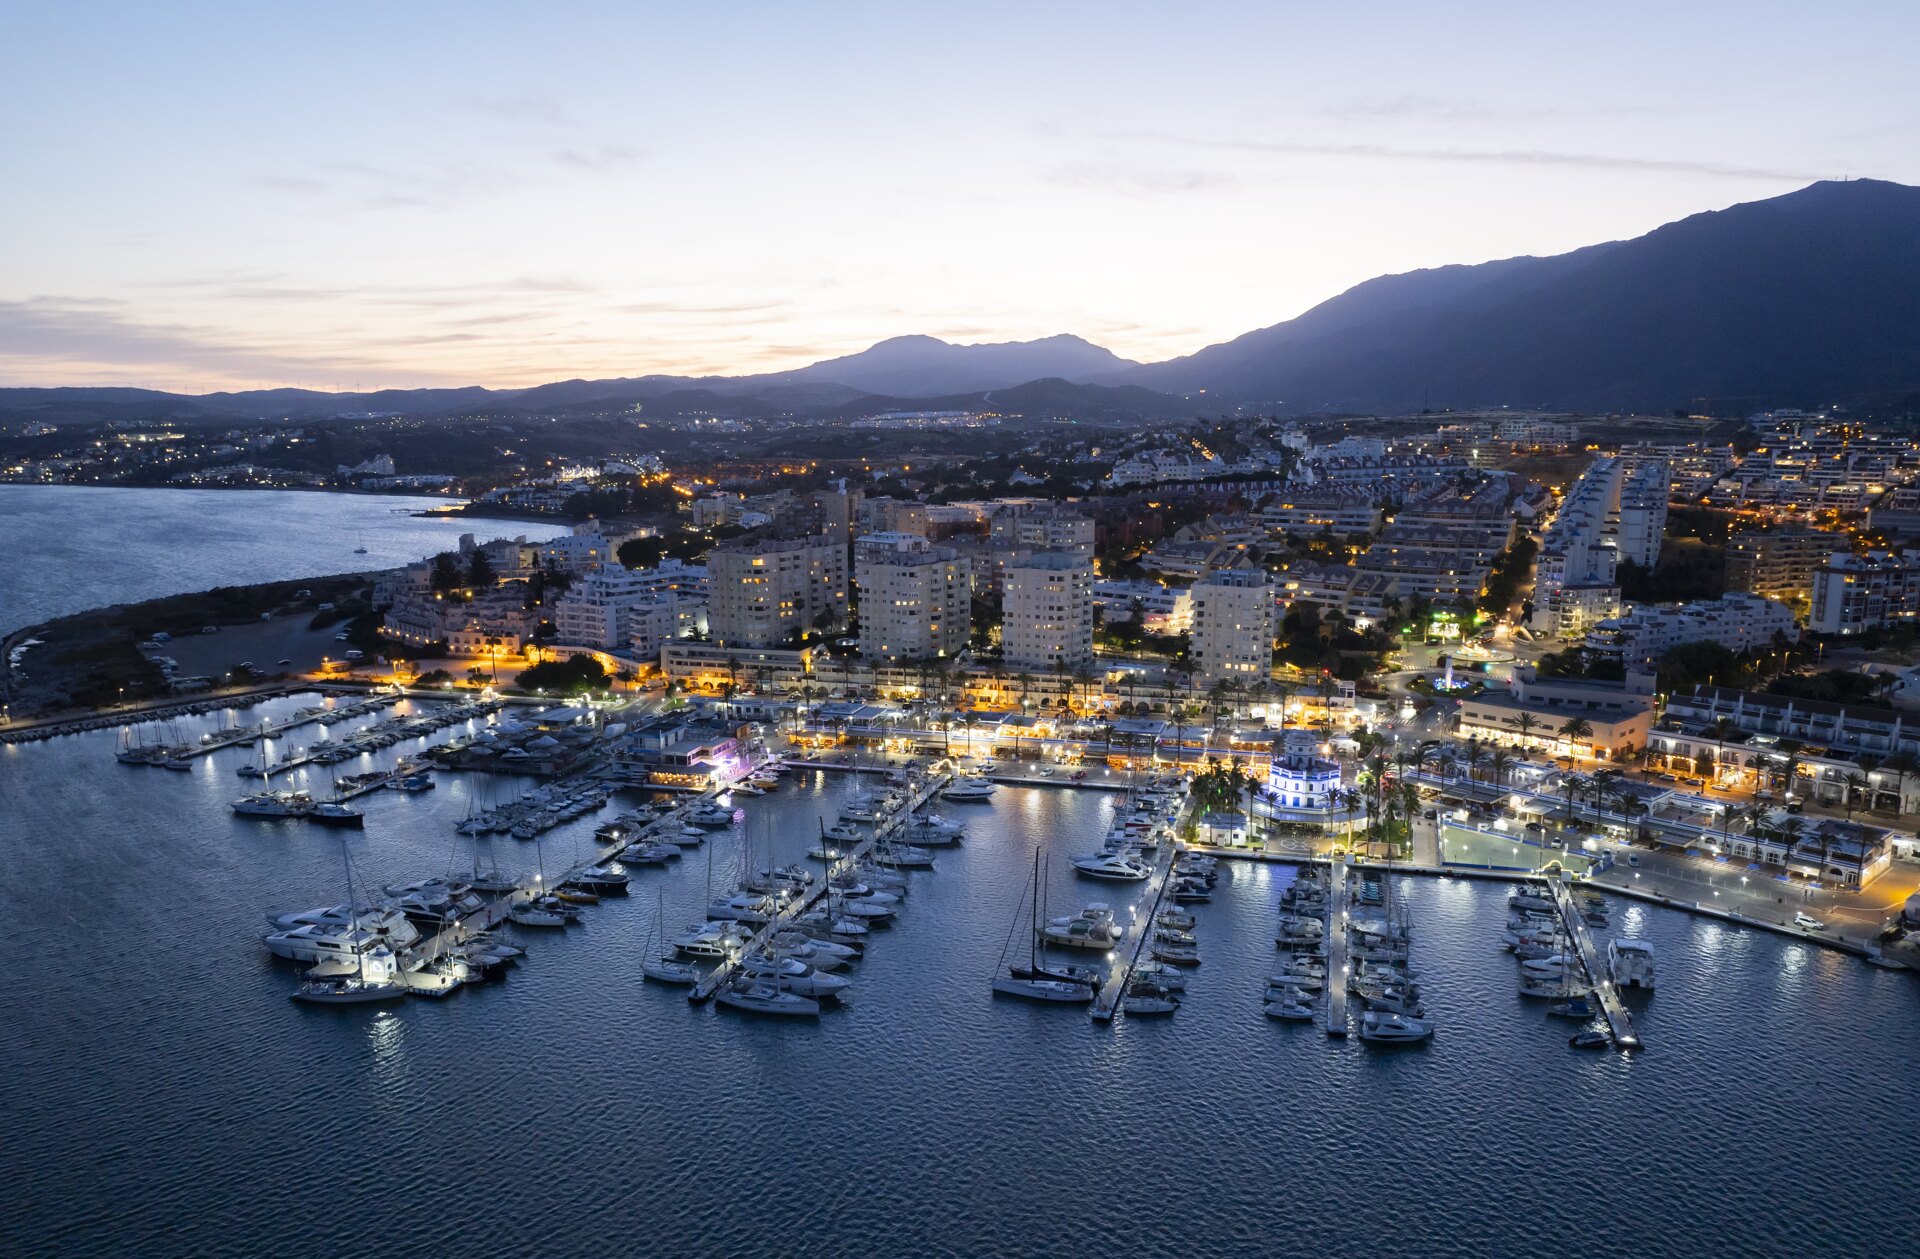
(923, 1023)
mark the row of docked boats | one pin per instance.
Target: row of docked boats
(537, 811)
(1142, 823)
(357, 953)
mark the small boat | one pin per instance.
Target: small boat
(1289, 1009)
(601, 880)
(529, 915)
(1175, 919)
(762, 997)
(792, 975)
(712, 817)
(1386, 1028)
(1178, 954)
(574, 896)
(1573, 1008)
(1092, 928)
(1589, 1040)
(1138, 1004)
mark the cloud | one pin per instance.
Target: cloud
(1117, 177)
(535, 108)
(38, 331)
(691, 308)
(600, 157)
(1491, 157)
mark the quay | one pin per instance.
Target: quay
(1619, 1022)
(718, 977)
(1337, 893)
(1138, 934)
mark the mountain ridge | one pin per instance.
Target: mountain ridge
(1802, 299)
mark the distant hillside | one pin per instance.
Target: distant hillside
(928, 366)
(1803, 299)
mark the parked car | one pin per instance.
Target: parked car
(1807, 922)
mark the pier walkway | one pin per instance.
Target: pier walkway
(1115, 989)
(1337, 892)
(718, 977)
(1619, 1022)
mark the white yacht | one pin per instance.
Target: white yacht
(373, 980)
(1114, 866)
(793, 975)
(274, 804)
(314, 943)
(1385, 1027)
(1091, 928)
(665, 971)
(762, 997)
(714, 940)
(969, 790)
(1630, 962)
(1290, 1008)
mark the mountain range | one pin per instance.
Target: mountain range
(1804, 299)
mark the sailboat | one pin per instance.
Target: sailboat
(1034, 982)
(370, 983)
(659, 965)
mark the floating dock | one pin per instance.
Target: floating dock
(1337, 893)
(1619, 1022)
(718, 977)
(1110, 995)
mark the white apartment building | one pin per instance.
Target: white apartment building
(1162, 609)
(1047, 613)
(1233, 626)
(1041, 526)
(577, 552)
(598, 609)
(1615, 509)
(1854, 593)
(916, 599)
(762, 592)
(1738, 622)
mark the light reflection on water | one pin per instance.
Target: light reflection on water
(926, 1117)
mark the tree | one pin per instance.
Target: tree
(446, 575)
(573, 676)
(1853, 784)
(1575, 729)
(1500, 761)
(1526, 722)
(479, 570)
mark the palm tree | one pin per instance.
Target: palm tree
(1576, 729)
(1722, 727)
(1526, 722)
(1788, 831)
(1500, 761)
(1789, 761)
(1852, 785)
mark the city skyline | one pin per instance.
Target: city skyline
(308, 201)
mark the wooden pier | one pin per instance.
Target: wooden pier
(1337, 892)
(1619, 1022)
(719, 976)
(1138, 935)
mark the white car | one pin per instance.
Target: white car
(1807, 922)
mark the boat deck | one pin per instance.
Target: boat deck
(1619, 1021)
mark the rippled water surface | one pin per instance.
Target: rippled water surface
(71, 547)
(163, 1096)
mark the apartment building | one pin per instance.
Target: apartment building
(1738, 622)
(763, 592)
(1779, 565)
(1855, 593)
(916, 599)
(1233, 626)
(1047, 615)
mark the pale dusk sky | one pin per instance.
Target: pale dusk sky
(353, 195)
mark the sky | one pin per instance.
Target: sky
(355, 196)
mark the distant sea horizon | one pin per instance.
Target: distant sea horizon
(80, 547)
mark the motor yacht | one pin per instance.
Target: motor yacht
(649, 853)
(1289, 1009)
(969, 791)
(1630, 962)
(1144, 1002)
(274, 804)
(791, 974)
(1387, 1028)
(745, 907)
(712, 817)
(1092, 928)
(317, 942)
(600, 880)
(716, 940)
(1114, 867)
